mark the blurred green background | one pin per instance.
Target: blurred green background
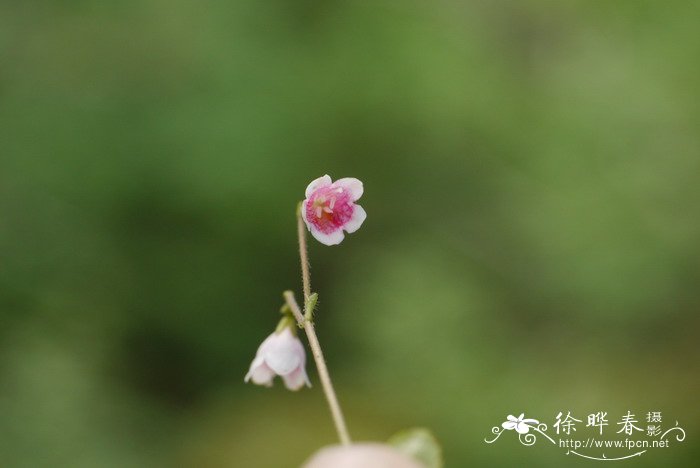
(531, 177)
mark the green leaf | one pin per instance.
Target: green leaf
(419, 444)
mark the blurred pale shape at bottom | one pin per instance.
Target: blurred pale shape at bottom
(365, 455)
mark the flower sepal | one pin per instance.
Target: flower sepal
(286, 322)
(309, 307)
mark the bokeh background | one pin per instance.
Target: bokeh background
(531, 177)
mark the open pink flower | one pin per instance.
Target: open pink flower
(329, 208)
(280, 354)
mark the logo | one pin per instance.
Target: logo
(598, 436)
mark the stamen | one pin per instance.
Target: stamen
(327, 210)
(319, 211)
(332, 203)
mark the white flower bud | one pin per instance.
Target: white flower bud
(280, 354)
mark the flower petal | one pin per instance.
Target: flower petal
(531, 421)
(334, 238)
(316, 183)
(354, 186)
(358, 217)
(285, 353)
(296, 379)
(260, 373)
(282, 363)
(265, 344)
(509, 425)
(302, 209)
(512, 418)
(253, 366)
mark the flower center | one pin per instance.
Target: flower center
(324, 204)
(329, 208)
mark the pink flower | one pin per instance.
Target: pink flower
(280, 354)
(329, 208)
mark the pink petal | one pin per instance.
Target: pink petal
(260, 373)
(358, 217)
(282, 363)
(333, 238)
(354, 186)
(296, 379)
(317, 183)
(285, 353)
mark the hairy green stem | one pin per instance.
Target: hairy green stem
(305, 319)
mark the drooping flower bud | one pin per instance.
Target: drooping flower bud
(283, 354)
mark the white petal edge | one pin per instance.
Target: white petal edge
(358, 217)
(260, 373)
(296, 379)
(351, 184)
(264, 345)
(508, 425)
(333, 238)
(316, 183)
(303, 213)
(259, 360)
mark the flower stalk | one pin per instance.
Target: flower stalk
(305, 319)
